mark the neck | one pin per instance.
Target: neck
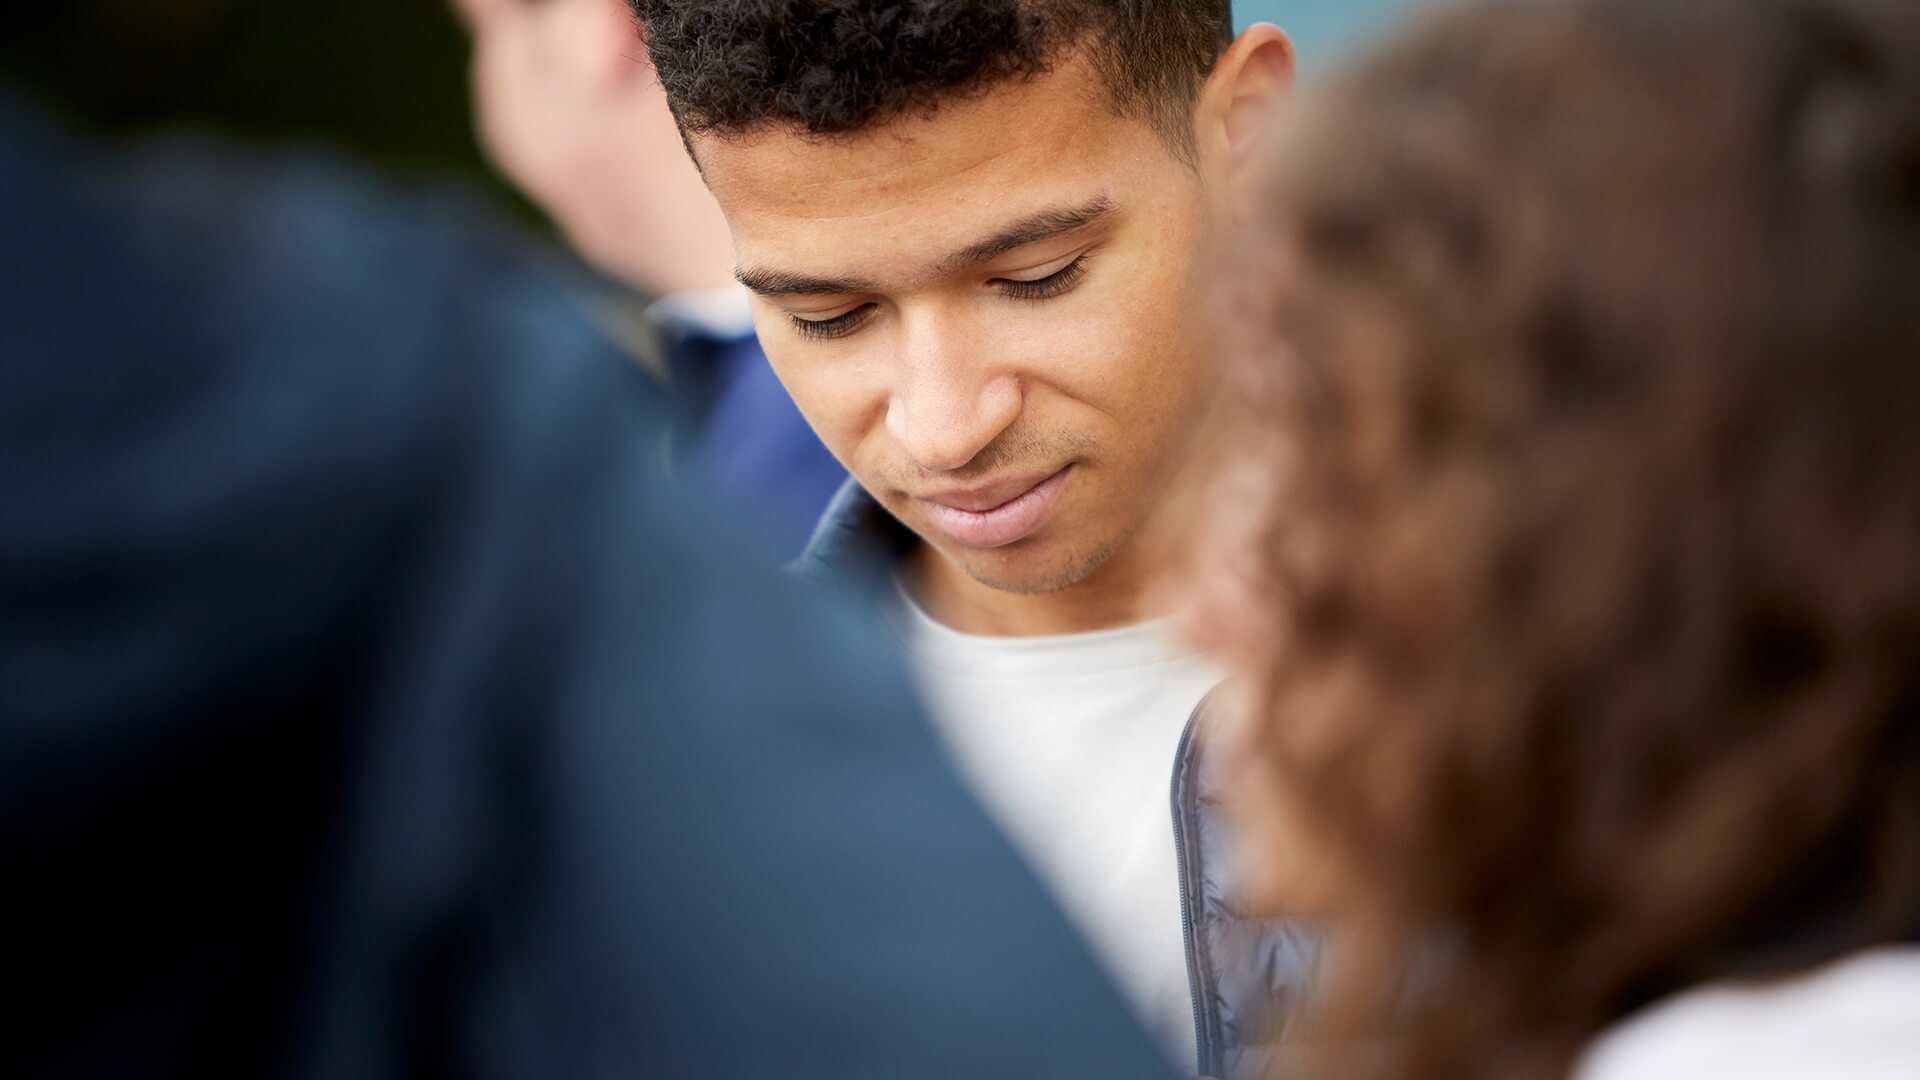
(1118, 594)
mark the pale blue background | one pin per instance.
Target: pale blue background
(1322, 29)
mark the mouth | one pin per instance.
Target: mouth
(995, 515)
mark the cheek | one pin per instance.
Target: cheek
(1128, 348)
(509, 117)
(841, 393)
(490, 99)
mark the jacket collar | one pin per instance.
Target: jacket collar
(857, 541)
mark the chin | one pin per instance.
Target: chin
(1041, 568)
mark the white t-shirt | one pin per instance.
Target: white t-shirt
(1858, 1019)
(1069, 741)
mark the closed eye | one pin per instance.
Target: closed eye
(1043, 288)
(838, 326)
(1047, 287)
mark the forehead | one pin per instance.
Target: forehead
(922, 184)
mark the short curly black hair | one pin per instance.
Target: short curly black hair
(837, 66)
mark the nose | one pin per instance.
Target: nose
(948, 404)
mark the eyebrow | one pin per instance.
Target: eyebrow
(782, 283)
(1044, 225)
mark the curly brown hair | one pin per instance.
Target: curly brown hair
(1579, 383)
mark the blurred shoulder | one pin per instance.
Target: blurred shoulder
(198, 235)
(1856, 1019)
(188, 276)
(232, 369)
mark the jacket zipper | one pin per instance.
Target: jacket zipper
(1203, 1045)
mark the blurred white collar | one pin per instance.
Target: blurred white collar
(722, 313)
(1857, 1019)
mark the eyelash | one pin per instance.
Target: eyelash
(838, 326)
(1042, 289)
(1050, 286)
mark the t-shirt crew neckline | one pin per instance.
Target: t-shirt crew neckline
(1091, 652)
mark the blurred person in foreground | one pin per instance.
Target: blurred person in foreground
(568, 107)
(370, 707)
(1567, 542)
(973, 231)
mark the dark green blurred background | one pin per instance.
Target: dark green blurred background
(384, 79)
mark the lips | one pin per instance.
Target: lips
(997, 514)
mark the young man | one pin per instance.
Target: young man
(972, 232)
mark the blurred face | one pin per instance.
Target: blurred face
(988, 315)
(569, 109)
(536, 92)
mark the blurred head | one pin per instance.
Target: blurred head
(971, 228)
(569, 109)
(1567, 520)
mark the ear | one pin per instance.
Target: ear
(1246, 90)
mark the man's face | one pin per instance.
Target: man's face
(987, 314)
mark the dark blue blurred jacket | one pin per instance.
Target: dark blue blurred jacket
(369, 706)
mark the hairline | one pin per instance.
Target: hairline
(1180, 143)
